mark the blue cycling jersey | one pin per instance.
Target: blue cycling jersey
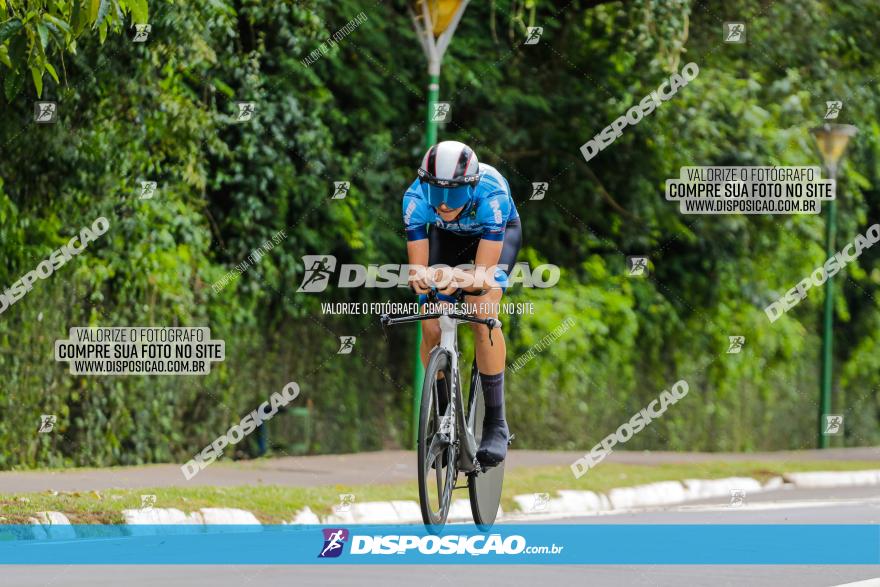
(486, 215)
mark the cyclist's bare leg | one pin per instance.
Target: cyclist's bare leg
(490, 357)
(430, 338)
(490, 364)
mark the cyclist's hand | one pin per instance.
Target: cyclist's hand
(459, 279)
(419, 289)
(450, 290)
(419, 282)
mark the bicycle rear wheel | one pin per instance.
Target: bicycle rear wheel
(484, 487)
(437, 455)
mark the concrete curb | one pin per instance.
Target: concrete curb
(143, 517)
(572, 502)
(640, 496)
(204, 517)
(531, 506)
(833, 479)
(51, 525)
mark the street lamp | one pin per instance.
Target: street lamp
(435, 22)
(831, 140)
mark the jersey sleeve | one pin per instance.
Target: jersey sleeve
(415, 216)
(492, 213)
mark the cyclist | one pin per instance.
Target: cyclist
(471, 219)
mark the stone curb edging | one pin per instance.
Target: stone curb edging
(56, 525)
(531, 506)
(833, 479)
(572, 502)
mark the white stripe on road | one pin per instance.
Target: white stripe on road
(746, 507)
(866, 583)
(779, 505)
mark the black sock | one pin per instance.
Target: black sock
(493, 394)
(493, 444)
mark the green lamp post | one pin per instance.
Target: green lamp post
(832, 140)
(435, 22)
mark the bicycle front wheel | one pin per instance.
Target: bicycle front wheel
(436, 454)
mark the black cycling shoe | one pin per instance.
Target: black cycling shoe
(493, 446)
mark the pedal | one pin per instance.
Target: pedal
(485, 469)
(510, 439)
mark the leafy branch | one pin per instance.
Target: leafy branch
(33, 33)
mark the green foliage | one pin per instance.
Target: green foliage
(164, 111)
(34, 33)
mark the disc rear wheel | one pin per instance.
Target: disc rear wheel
(484, 487)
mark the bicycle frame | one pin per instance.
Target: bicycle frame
(467, 455)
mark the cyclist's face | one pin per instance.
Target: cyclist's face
(449, 201)
(453, 197)
(447, 213)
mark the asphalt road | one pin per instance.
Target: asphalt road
(794, 506)
(393, 466)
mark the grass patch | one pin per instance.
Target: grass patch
(276, 504)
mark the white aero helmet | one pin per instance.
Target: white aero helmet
(451, 170)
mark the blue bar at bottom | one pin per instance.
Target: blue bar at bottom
(456, 544)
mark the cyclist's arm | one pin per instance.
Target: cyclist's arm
(415, 217)
(488, 254)
(480, 278)
(492, 214)
(417, 252)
